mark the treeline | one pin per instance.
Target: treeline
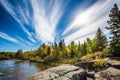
(58, 52)
(61, 51)
(93, 48)
(7, 55)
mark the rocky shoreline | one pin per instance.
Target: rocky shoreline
(78, 72)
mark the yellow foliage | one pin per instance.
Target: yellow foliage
(51, 51)
(68, 51)
(100, 63)
(92, 56)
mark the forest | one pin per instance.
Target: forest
(59, 52)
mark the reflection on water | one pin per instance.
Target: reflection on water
(17, 70)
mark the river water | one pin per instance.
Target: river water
(17, 70)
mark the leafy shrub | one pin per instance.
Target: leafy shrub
(92, 56)
(49, 59)
(99, 64)
(96, 55)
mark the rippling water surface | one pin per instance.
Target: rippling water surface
(17, 70)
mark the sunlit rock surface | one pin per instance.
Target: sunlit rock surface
(63, 72)
(109, 74)
(79, 72)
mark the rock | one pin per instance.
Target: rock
(77, 75)
(63, 72)
(85, 64)
(62, 78)
(115, 65)
(44, 75)
(63, 69)
(108, 74)
(91, 74)
(88, 78)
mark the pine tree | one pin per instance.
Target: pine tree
(114, 28)
(19, 54)
(62, 44)
(101, 40)
(83, 49)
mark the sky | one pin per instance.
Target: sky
(26, 24)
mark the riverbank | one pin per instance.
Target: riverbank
(78, 72)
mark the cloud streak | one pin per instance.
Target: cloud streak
(87, 21)
(19, 40)
(7, 37)
(20, 15)
(46, 17)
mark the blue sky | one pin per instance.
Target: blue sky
(26, 24)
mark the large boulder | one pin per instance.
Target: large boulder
(63, 69)
(77, 75)
(91, 74)
(115, 64)
(62, 78)
(63, 72)
(108, 74)
(44, 75)
(85, 64)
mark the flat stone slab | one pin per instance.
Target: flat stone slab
(76, 75)
(63, 72)
(63, 69)
(85, 64)
(62, 78)
(115, 64)
(108, 74)
(44, 75)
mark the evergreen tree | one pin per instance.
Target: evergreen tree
(114, 28)
(101, 40)
(55, 44)
(72, 48)
(19, 54)
(83, 49)
(62, 44)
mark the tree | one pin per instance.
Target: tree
(114, 28)
(62, 44)
(50, 50)
(89, 46)
(72, 48)
(83, 49)
(101, 40)
(19, 54)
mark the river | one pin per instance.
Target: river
(18, 70)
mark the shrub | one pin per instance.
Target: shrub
(96, 55)
(99, 64)
(92, 56)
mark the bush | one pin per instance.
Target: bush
(96, 55)
(36, 59)
(99, 64)
(49, 59)
(92, 56)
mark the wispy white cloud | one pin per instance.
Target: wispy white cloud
(46, 18)
(21, 15)
(24, 41)
(47, 14)
(19, 41)
(89, 20)
(7, 37)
